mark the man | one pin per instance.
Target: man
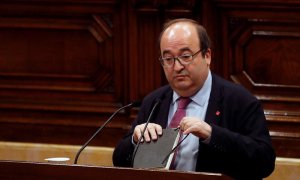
(227, 124)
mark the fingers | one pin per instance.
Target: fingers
(137, 134)
(195, 126)
(151, 133)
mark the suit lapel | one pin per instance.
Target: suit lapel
(214, 109)
(163, 113)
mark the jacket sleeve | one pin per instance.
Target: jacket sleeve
(240, 143)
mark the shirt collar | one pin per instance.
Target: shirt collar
(202, 95)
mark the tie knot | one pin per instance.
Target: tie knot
(183, 102)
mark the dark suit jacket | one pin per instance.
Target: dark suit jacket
(240, 144)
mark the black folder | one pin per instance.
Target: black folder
(156, 154)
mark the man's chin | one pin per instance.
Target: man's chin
(182, 86)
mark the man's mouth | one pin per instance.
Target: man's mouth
(180, 76)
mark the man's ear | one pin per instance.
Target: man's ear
(207, 56)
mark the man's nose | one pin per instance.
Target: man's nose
(177, 65)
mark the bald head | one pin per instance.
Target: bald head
(203, 38)
(180, 35)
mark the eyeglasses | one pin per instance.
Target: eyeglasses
(183, 60)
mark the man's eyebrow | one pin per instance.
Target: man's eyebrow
(185, 49)
(181, 50)
(166, 52)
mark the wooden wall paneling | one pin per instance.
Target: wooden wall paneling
(263, 53)
(149, 66)
(209, 19)
(147, 18)
(121, 52)
(57, 70)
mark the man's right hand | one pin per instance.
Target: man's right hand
(151, 133)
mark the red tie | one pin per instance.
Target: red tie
(179, 114)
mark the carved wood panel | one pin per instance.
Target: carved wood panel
(58, 69)
(263, 49)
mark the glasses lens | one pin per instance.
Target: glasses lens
(167, 62)
(185, 59)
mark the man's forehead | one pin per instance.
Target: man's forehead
(179, 29)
